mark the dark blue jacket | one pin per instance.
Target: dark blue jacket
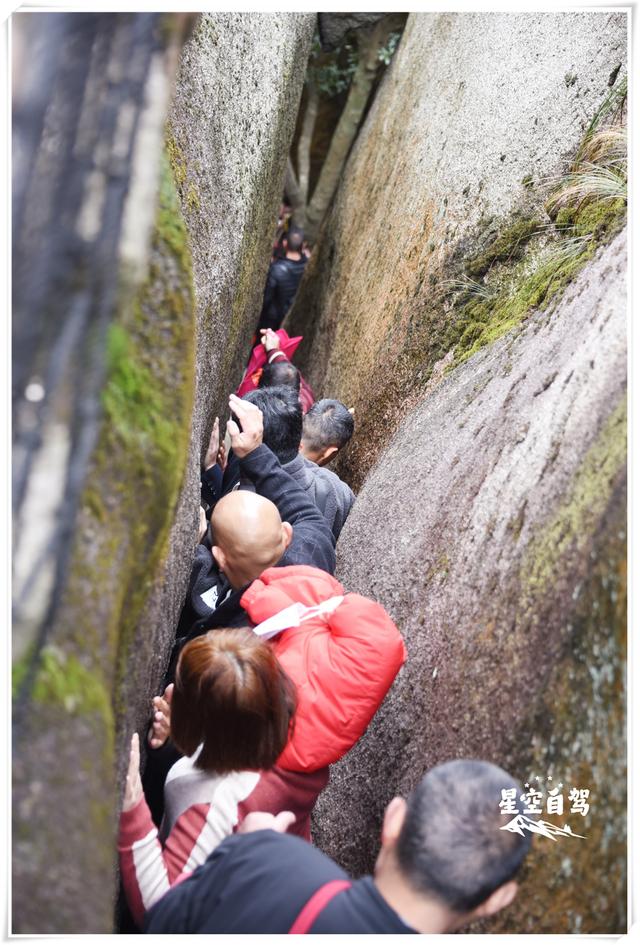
(259, 883)
(282, 284)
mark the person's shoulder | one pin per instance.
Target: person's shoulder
(296, 852)
(279, 268)
(299, 471)
(330, 477)
(323, 473)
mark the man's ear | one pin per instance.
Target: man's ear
(327, 455)
(499, 899)
(219, 557)
(287, 534)
(393, 820)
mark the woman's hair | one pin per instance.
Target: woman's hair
(231, 695)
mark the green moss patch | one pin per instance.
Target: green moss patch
(535, 281)
(176, 160)
(508, 246)
(134, 404)
(63, 680)
(577, 516)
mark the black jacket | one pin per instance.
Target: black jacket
(332, 497)
(282, 284)
(259, 883)
(312, 544)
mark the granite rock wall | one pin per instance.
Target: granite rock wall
(172, 345)
(484, 354)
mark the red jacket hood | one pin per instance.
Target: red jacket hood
(277, 588)
(342, 661)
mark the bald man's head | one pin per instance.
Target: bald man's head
(249, 536)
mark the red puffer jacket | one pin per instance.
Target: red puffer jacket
(342, 661)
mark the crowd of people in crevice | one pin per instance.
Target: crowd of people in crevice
(276, 672)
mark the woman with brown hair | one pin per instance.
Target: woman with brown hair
(232, 713)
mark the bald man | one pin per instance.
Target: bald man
(279, 524)
(242, 514)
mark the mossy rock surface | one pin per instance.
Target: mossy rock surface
(89, 670)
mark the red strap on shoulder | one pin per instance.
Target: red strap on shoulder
(321, 898)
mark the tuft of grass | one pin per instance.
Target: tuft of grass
(590, 183)
(607, 147)
(611, 111)
(469, 288)
(599, 169)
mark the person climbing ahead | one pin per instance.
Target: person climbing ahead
(282, 432)
(326, 428)
(283, 280)
(279, 370)
(231, 710)
(278, 524)
(444, 862)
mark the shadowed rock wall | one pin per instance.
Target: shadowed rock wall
(90, 96)
(172, 346)
(490, 450)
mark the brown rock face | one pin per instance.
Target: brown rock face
(491, 514)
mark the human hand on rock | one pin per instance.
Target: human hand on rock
(214, 445)
(247, 439)
(202, 525)
(133, 784)
(161, 724)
